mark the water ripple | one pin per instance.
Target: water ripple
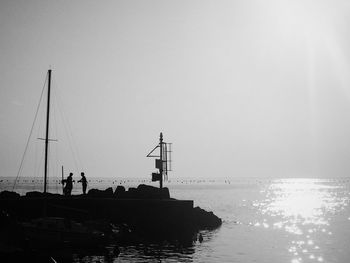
(303, 208)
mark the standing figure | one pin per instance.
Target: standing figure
(83, 181)
(69, 184)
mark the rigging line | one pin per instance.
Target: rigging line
(70, 130)
(69, 138)
(73, 141)
(57, 103)
(57, 157)
(39, 153)
(69, 133)
(54, 135)
(35, 170)
(60, 146)
(30, 134)
(40, 158)
(51, 169)
(54, 157)
(40, 165)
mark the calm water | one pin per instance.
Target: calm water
(279, 220)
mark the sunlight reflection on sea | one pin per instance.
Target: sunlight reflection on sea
(305, 209)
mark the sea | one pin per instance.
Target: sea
(295, 220)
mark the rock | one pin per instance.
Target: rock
(8, 195)
(119, 191)
(34, 194)
(94, 193)
(131, 193)
(165, 193)
(151, 192)
(54, 195)
(203, 219)
(148, 192)
(108, 193)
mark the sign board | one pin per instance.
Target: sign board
(156, 177)
(158, 163)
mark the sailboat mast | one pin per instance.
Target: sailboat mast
(47, 129)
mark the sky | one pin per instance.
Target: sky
(241, 88)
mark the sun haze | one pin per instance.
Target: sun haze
(241, 88)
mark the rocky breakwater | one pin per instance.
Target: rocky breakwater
(147, 210)
(150, 209)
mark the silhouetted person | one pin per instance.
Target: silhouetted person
(83, 181)
(69, 185)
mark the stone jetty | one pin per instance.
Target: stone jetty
(147, 210)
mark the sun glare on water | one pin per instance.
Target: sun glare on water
(303, 200)
(303, 208)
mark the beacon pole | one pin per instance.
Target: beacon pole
(161, 161)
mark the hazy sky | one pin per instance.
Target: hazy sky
(241, 88)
